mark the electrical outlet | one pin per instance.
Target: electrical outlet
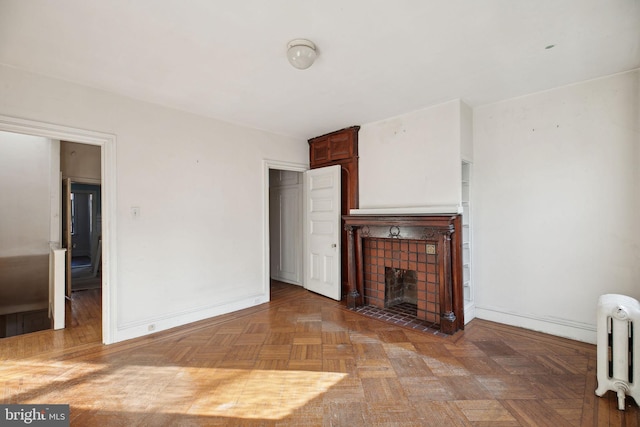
(151, 327)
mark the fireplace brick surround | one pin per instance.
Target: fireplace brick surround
(386, 257)
(383, 248)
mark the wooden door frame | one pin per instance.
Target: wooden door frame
(107, 144)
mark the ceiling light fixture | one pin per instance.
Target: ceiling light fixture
(301, 53)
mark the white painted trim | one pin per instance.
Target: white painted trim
(56, 297)
(469, 312)
(171, 320)
(466, 160)
(107, 143)
(418, 210)
(578, 331)
(266, 165)
(78, 180)
(193, 314)
(55, 194)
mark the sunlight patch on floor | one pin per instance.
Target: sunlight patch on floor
(233, 393)
(264, 394)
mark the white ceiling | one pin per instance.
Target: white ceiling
(377, 58)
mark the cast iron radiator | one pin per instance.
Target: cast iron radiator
(617, 347)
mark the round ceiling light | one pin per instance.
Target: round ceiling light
(301, 53)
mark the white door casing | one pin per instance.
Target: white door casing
(322, 209)
(57, 286)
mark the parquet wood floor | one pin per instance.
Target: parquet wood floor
(304, 360)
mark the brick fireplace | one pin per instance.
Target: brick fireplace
(400, 270)
(413, 260)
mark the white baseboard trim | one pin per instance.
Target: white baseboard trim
(564, 328)
(469, 312)
(150, 326)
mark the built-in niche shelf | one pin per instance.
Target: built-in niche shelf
(467, 288)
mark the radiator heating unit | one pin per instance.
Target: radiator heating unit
(617, 367)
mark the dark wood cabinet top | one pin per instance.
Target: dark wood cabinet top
(335, 147)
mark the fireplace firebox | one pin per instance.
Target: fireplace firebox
(407, 259)
(400, 286)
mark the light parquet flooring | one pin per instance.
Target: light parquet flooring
(304, 360)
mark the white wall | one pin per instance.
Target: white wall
(25, 205)
(466, 132)
(412, 160)
(196, 249)
(556, 201)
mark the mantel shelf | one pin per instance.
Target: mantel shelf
(415, 210)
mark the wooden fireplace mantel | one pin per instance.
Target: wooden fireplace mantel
(444, 232)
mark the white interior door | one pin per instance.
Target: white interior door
(322, 231)
(286, 233)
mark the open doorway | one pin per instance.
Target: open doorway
(284, 226)
(303, 211)
(85, 229)
(80, 166)
(32, 229)
(105, 144)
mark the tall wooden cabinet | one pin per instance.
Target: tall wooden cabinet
(340, 148)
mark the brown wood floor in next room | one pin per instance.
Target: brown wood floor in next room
(305, 360)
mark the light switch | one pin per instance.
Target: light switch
(135, 212)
